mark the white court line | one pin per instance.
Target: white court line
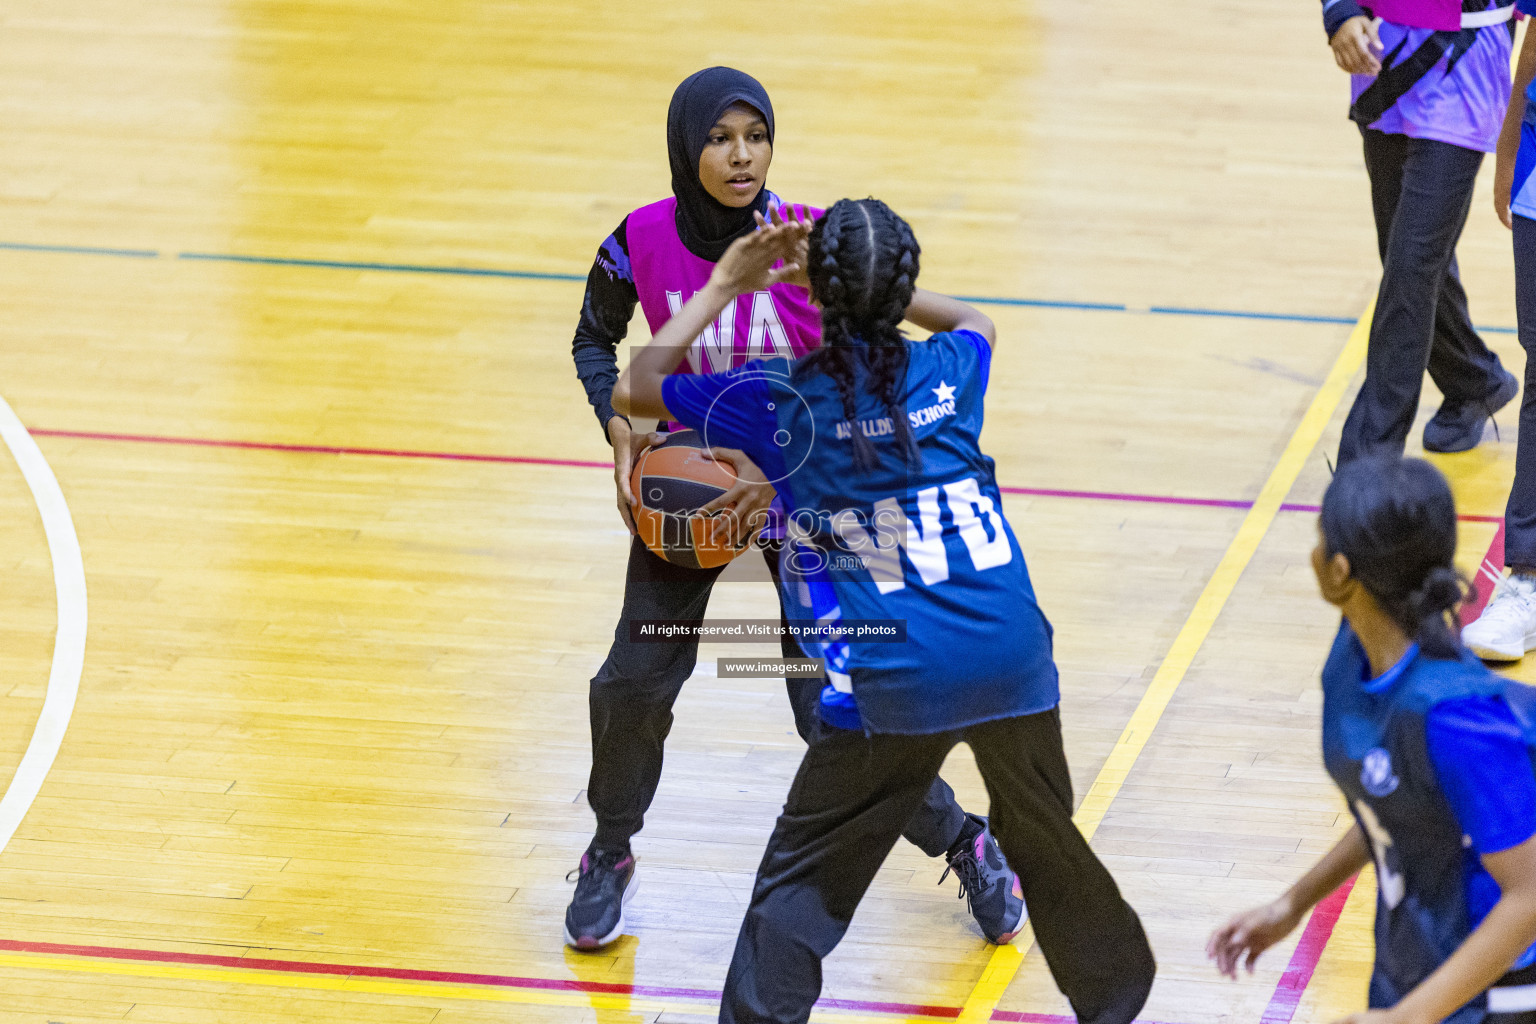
(68, 641)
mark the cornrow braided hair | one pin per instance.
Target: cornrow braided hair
(863, 263)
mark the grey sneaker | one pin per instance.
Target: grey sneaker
(605, 882)
(990, 887)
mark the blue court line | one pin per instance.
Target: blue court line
(989, 300)
(89, 250)
(398, 268)
(537, 275)
(1289, 317)
(1246, 315)
(533, 275)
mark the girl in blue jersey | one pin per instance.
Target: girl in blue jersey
(1430, 750)
(933, 636)
(720, 138)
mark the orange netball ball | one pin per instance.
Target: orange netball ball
(671, 482)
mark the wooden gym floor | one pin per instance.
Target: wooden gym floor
(288, 290)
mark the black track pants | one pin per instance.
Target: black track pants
(1421, 191)
(1520, 514)
(849, 801)
(632, 696)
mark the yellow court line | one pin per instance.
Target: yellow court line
(433, 990)
(1005, 960)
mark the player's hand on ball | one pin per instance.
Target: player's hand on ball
(1249, 934)
(748, 265)
(752, 494)
(626, 445)
(1357, 47)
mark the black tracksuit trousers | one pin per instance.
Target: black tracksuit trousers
(851, 798)
(1421, 191)
(632, 696)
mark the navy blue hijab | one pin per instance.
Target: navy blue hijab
(706, 225)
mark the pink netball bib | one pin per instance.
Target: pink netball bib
(1441, 15)
(778, 322)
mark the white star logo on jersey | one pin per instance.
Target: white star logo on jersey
(945, 406)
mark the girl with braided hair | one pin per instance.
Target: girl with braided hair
(1432, 752)
(898, 546)
(720, 132)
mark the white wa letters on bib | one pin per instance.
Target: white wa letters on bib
(713, 349)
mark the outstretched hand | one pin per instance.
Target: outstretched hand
(795, 265)
(749, 264)
(1248, 934)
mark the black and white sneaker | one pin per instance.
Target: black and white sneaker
(605, 882)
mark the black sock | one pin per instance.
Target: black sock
(972, 828)
(615, 853)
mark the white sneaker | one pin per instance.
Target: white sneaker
(1507, 627)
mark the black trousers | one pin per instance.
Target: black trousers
(632, 696)
(1520, 513)
(848, 803)
(1421, 191)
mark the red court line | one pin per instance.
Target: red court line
(1298, 973)
(1482, 586)
(529, 460)
(490, 980)
(448, 977)
(405, 453)
(316, 449)
(1282, 1005)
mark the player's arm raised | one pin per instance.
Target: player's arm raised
(939, 313)
(747, 266)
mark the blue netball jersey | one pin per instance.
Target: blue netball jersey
(923, 543)
(1433, 758)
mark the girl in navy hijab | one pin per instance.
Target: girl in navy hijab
(720, 132)
(706, 225)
